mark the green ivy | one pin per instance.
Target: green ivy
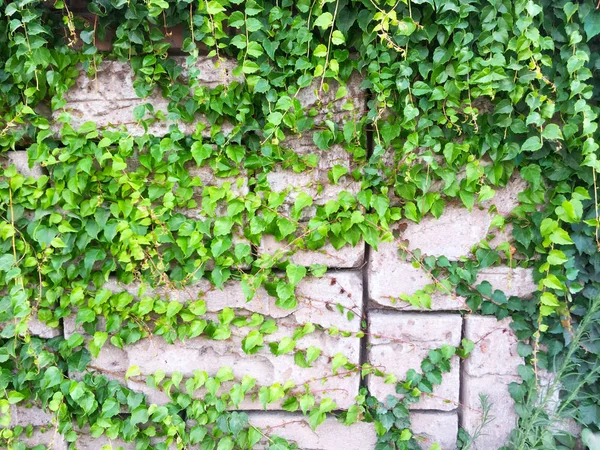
(461, 97)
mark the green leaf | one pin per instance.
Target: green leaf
(295, 273)
(325, 20)
(532, 144)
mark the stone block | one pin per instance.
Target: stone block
(40, 329)
(21, 415)
(109, 99)
(453, 235)
(50, 438)
(313, 181)
(513, 282)
(390, 276)
(495, 350)
(458, 230)
(435, 427)
(495, 387)
(330, 435)
(346, 257)
(21, 161)
(488, 370)
(317, 300)
(400, 341)
(351, 105)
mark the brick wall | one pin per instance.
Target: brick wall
(360, 279)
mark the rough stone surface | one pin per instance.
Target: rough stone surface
(315, 181)
(517, 281)
(435, 427)
(390, 276)
(21, 161)
(330, 435)
(400, 341)
(316, 304)
(353, 104)
(346, 257)
(109, 99)
(29, 415)
(490, 368)
(456, 232)
(39, 328)
(50, 438)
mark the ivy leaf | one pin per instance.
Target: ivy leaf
(325, 20)
(532, 144)
(295, 273)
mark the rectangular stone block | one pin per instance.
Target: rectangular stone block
(23, 415)
(495, 434)
(390, 276)
(324, 103)
(330, 435)
(400, 341)
(317, 300)
(513, 282)
(109, 98)
(344, 258)
(453, 235)
(50, 438)
(313, 181)
(488, 370)
(435, 427)
(495, 350)
(457, 231)
(21, 161)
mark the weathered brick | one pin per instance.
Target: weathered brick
(517, 281)
(435, 427)
(33, 415)
(317, 300)
(400, 341)
(21, 161)
(488, 370)
(325, 104)
(314, 181)
(109, 99)
(40, 329)
(452, 235)
(330, 435)
(495, 387)
(346, 257)
(390, 276)
(495, 351)
(458, 230)
(50, 438)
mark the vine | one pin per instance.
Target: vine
(455, 99)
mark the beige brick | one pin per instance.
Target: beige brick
(488, 370)
(352, 105)
(21, 161)
(49, 437)
(109, 99)
(400, 341)
(317, 300)
(517, 281)
(313, 181)
(435, 427)
(495, 387)
(33, 415)
(330, 435)
(495, 350)
(346, 257)
(390, 276)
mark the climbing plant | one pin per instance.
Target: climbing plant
(461, 96)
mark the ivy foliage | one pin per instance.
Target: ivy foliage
(459, 97)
